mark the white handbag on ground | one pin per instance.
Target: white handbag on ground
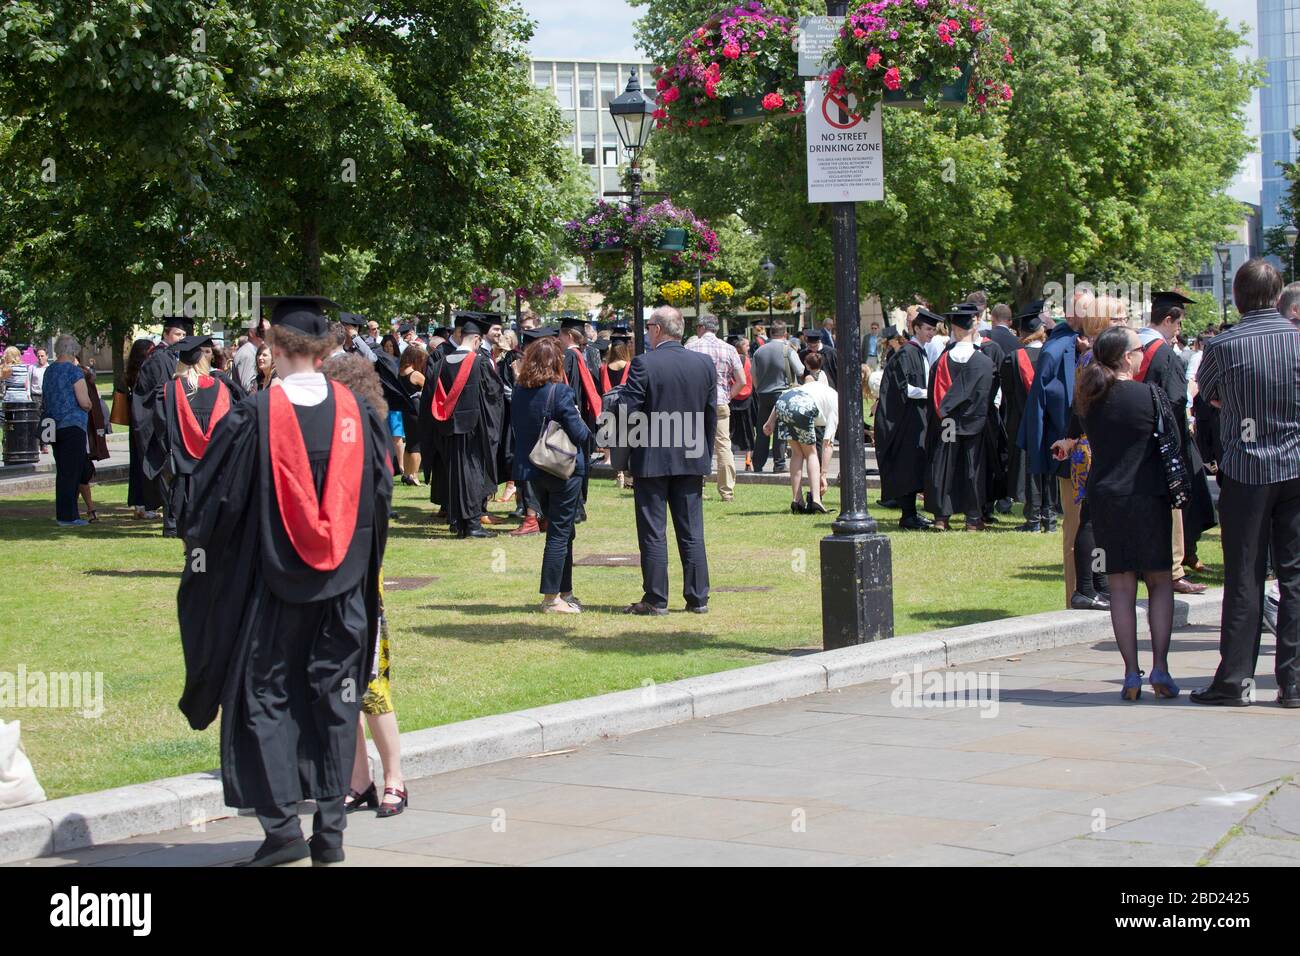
(18, 786)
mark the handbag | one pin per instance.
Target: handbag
(554, 451)
(1171, 454)
(121, 413)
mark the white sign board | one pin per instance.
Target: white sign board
(845, 154)
(816, 34)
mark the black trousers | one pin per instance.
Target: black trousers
(1251, 516)
(281, 822)
(683, 496)
(766, 402)
(557, 501)
(69, 463)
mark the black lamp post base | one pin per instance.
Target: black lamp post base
(857, 589)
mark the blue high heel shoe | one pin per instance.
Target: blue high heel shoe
(1162, 685)
(1132, 686)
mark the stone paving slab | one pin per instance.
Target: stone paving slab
(1071, 777)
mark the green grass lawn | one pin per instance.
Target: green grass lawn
(470, 643)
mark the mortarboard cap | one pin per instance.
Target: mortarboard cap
(1030, 319)
(963, 316)
(1163, 302)
(926, 317)
(533, 335)
(573, 322)
(619, 332)
(352, 319)
(182, 322)
(303, 313)
(191, 347)
(476, 323)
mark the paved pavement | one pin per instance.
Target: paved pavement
(1062, 773)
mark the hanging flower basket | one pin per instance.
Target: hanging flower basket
(739, 66)
(915, 53)
(674, 240)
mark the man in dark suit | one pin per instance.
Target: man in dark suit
(670, 397)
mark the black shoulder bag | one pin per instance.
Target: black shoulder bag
(1171, 454)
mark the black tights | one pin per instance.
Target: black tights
(1160, 615)
(1087, 581)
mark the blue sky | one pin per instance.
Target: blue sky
(603, 29)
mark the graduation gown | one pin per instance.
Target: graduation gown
(586, 387)
(956, 440)
(279, 599)
(830, 364)
(995, 432)
(620, 459)
(1162, 367)
(506, 448)
(900, 425)
(1016, 374)
(462, 409)
(158, 368)
(185, 418)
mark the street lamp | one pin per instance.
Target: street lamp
(631, 111)
(769, 267)
(1291, 233)
(1224, 252)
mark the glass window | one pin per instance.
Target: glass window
(608, 84)
(611, 179)
(564, 85)
(587, 86)
(542, 76)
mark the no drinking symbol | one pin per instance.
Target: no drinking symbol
(842, 116)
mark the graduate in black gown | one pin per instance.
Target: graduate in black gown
(386, 367)
(960, 386)
(461, 411)
(812, 342)
(186, 411)
(582, 380)
(1162, 367)
(995, 433)
(900, 422)
(1017, 376)
(158, 369)
(279, 599)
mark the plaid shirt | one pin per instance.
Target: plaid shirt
(725, 359)
(1253, 369)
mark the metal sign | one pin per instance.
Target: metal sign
(845, 154)
(816, 34)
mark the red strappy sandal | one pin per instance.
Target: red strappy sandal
(392, 809)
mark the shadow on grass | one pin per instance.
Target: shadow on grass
(958, 617)
(634, 642)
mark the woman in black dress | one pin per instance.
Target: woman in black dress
(743, 406)
(1128, 499)
(411, 373)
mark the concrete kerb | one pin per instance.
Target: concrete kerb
(89, 819)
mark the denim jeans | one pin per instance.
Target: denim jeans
(557, 500)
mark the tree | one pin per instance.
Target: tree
(1109, 162)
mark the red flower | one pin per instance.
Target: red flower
(873, 60)
(660, 113)
(1006, 92)
(773, 101)
(711, 89)
(731, 51)
(836, 78)
(859, 32)
(1008, 58)
(661, 84)
(892, 81)
(670, 94)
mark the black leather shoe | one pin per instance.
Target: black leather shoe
(644, 610)
(1289, 696)
(698, 608)
(1081, 602)
(1003, 506)
(1049, 526)
(278, 854)
(887, 502)
(1213, 698)
(913, 523)
(797, 508)
(1034, 525)
(478, 533)
(324, 856)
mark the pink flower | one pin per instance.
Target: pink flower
(711, 89)
(836, 79)
(981, 99)
(773, 101)
(671, 94)
(661, 84)
(892, 81)
(1008, 58)
(1006, 92)
(660, 113)
(873, 60)
(703, 122)
(859, 32)
(731, 51)
(976, 26)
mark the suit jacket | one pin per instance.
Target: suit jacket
(671, 379)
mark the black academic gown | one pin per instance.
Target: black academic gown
(830, 364)
(282, 648)
(900, 425)
(158, 368)
(175, 447)
(465, 443)
(955, 440)
(995, 432)
(1166, 370)
(1017, 376)
(587, 390)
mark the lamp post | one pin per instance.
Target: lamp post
(1224, 253)
(769, 267)
(631, 111)
(1291, 233)
(856, 559)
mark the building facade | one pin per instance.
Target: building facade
(583, 90)
(1246, 243)
(1279, 100)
